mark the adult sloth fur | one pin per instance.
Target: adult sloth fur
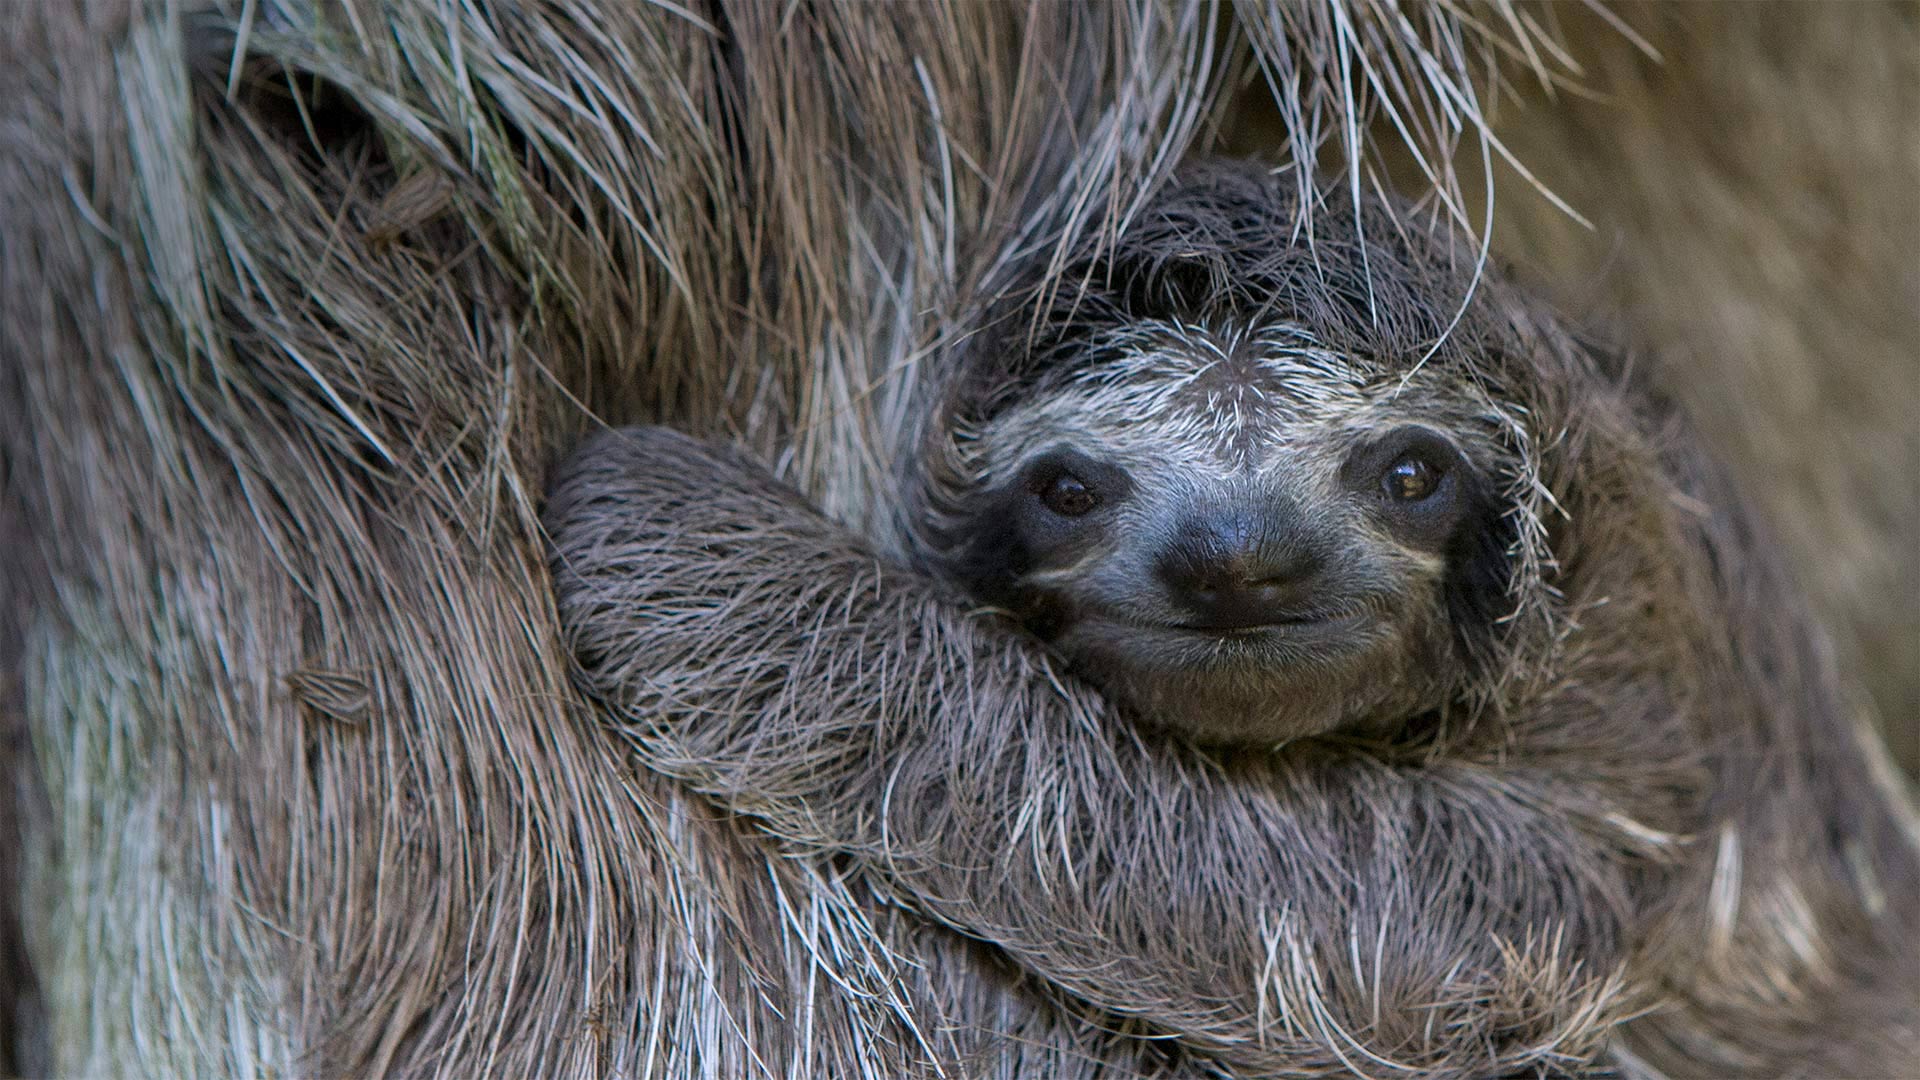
(300, 299)
(1593, 825)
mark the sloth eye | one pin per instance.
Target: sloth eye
(1067, 496)
(1069, 484)
(1413, 473)
(1410, 478)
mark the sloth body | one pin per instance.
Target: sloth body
(1268, 492)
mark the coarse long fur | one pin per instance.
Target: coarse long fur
(298, 301)
(1486, 900)
(1777, 277)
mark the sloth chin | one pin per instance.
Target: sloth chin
(1261, 685)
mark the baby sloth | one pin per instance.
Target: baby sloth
(1610, 812)
(1240, 532)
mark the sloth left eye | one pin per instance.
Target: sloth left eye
(1410, 478)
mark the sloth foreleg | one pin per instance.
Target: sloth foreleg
(1334, 916)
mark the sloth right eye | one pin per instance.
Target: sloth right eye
(1070, 484)
(1067, 496)
(1410, 479)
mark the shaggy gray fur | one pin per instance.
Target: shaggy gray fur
(1646, 837)
(300, 300)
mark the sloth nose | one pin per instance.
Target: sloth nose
(1238, 571)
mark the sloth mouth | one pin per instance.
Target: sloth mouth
(1308, 621)
(1252, 629)
(1315, 629)
(1262, 653)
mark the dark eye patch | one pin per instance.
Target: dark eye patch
(1447, 506)
(1479, 572)
(1064, 468)
(1012, 530)
(1416, 480)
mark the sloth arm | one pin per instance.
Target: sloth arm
(1336, 915)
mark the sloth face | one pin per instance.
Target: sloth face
(1246, 537)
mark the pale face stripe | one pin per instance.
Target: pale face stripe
(1169, 389)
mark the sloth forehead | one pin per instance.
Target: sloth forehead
(1233, 393)
(1152, 367)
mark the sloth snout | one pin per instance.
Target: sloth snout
(1242, 570)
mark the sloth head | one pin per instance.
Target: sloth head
(1228, 497)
